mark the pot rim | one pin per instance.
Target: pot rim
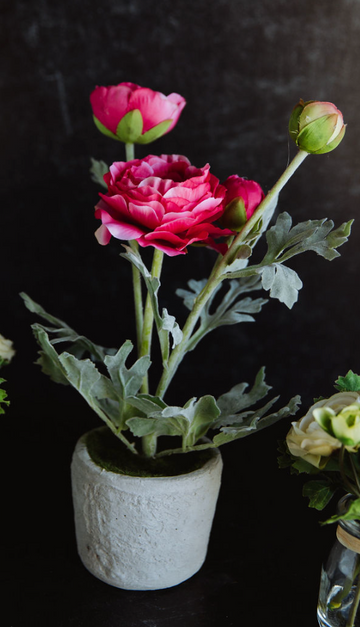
(82, 453)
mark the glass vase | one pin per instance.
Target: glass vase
(339, 595)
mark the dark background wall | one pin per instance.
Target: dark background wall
(241, 66)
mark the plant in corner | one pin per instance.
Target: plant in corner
(166, 203)
(325, 443)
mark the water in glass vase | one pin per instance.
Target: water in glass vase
(339, 595)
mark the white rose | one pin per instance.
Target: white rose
(6, 349)
(306, 439)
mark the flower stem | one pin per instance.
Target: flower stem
(260, 210)
(346, 481)
(355, 475)
(149, 314)
(354, 607)
(149, 442)
(139, 314)
(217, 274)
(180, 349)
(130, 152)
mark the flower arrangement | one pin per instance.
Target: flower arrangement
(165, 202)
(325, 443)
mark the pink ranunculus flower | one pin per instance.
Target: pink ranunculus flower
(134, 114)
(241, 200)
(162, 201)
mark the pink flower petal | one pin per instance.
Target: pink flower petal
(149, 215)
(109, 104)
(154, 107)
(102, 235)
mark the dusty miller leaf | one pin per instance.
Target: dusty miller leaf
(126, 381)
(63, 333)
(282, 282)
(255, 422)
(231, 309)
(190, 422)
(97, 171)
(165, 324)
(284, 242)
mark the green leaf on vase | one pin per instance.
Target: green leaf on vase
(349, 383)
(353, 513)
(319, 493)
(3, 397)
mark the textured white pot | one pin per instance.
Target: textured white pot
(143, 533)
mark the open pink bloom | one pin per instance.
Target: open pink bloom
(135, 114)
(162, 201)
(241, 200)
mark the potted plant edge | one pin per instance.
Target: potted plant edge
(145, 485)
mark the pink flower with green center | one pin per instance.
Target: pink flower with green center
(164, 202)
(134, 114)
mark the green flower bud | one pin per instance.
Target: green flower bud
(344, 426)
(316, 127)
(234, 216)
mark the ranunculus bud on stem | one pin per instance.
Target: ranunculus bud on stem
(316, 127)
(241, 200)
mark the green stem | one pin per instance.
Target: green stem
(217, 274)
(130, 152)
(149, 442)
(346, 481)
(139, 314)
(149, 314)
(355, 475)
(180, 349)
(271, 195)
(354, 607)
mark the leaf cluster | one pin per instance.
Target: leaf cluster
(3, 397)
(285, 241)
(115, 397)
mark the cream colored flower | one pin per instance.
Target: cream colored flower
(6, 349)
(307, 439)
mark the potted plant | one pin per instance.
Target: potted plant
(145, 486)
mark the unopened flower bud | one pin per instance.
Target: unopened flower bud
(241, 200)
(316, 127)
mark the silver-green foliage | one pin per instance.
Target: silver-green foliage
(116, 399)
